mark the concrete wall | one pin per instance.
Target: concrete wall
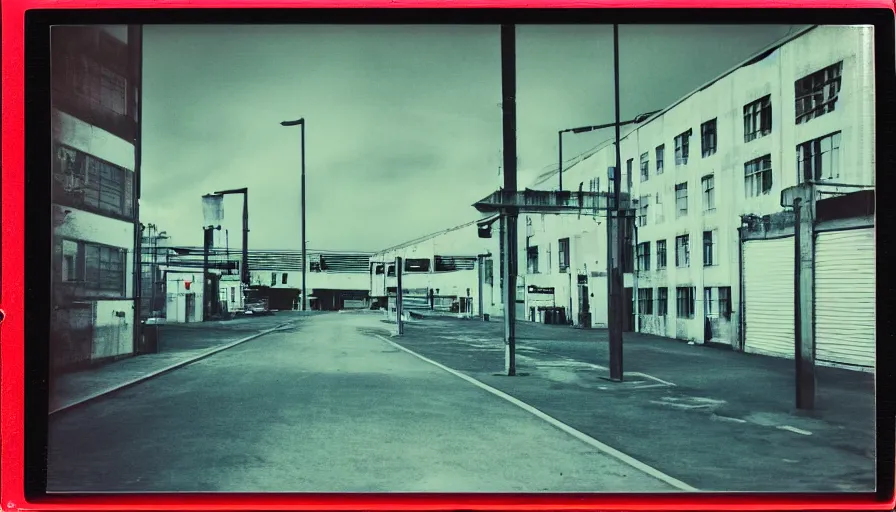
(320, 280)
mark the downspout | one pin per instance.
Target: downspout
(741, 334)
(635, 268)
(135, 58)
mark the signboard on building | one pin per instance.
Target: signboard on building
(541, 290)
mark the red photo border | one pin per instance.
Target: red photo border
(12, 272)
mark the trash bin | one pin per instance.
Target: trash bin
(149, 338)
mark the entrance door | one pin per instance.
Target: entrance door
(190, 307)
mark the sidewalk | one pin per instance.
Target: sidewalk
(716, 419)
(178, 343)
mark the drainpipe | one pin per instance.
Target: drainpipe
(741, 335)
(635, 269)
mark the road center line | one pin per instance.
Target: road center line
(594, 443)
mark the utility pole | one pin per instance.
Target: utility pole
(616, 236)
(208, 233)
(804, 288)
(301, 122)
(509, 215)
(399, 306)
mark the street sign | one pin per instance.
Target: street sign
(541, 290)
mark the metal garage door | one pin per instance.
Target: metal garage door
(845, 297)
(768, 297)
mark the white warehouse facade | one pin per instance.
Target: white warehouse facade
(803, 110)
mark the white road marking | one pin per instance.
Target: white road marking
(728, 418)
(651, 377)
(795, 430)
(631, 461)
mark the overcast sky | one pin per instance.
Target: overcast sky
(404, 123)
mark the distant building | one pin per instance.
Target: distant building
(96, 90)
(443, 272)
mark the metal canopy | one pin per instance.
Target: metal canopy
(543, 201)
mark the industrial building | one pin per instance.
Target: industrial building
(96, 99)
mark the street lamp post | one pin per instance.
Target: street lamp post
(301, 122)
(244, 271)
(583, 129)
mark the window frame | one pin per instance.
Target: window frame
(758, 118)
(684, 295)
(683, 243)
(709, 138)
(661, 254)
(643, 256)
(681, 187)
(660, 152)
(758, 170)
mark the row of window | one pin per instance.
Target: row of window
(716, 302)
(423, 265)
(815, 95)
(96, 83)
(817, 160)
(682, 252)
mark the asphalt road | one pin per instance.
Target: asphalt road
(324, 407)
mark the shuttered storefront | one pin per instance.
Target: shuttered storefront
(769, 296)
(845, 297)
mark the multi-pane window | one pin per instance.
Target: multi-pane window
(645, 301)
(708, 138)
(758, 176)
(643, 209)
(725, 302)
(658, 209)
(94, 267)
(416, 265)
(660, 156)
(685, 301)
(819, 159)
(645, 167)
(708, 310)
(660, 254)
(87, 181)
(98, 84)
(644, 256)
(662, 301)
(709, 248)
(817, 94)
(532, 260)
(682, 251)
(758, 118)
(708, 184)
(682, 148)
(563, 252)
(681, 199)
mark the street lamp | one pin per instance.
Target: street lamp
(583, 129)
(301, 122)
(244, 270)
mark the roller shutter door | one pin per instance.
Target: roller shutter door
(769, 296)
(845, 297)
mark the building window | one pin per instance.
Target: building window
(644, 256)
(645, 301)
(682, 251)
(819, 159)
(660, 154)
(418, 265)
(708, 310)
(643, 207)
(817, 94)
(83, 180)
(283, 278)
(532, 260)
(725, 302)
(391, 271)
(685, 301)
(758, 118)
(709, 248)
(709, 193)
(233, 295)
(758, 176)
(708, 138)
(681, 199)
(660, 254)
(451, 263)
(645, 167)
(562, 253)
(273, 279)
(98, 84)
(379, 269)
(662, 301)
(529, 229)
(682, 149)
(104, 267)
(658, 209)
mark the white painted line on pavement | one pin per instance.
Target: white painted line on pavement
(651, 377)
(166, 369)
(631, 461)
(795, 430)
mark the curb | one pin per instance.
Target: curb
(156, 373)
(594, 443)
